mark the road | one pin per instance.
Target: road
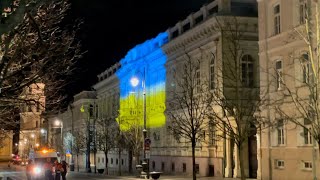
(17, 172)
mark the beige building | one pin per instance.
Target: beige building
(285, 148)
(200, 37)
(30, 118)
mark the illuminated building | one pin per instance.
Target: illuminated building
(30, 118)
(286, 147)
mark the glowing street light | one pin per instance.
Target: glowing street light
(134, 82)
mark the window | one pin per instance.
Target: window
(306, 69)
(212, 72)
(198, 87)
(302, 11)
(111, 160)
(186, 27)
(279, 74)
(38, 107)
(198, 19)
(307, 132)
(116, 161)
(98, 160)
(212, 133)
(153, 165)
(280, 164)
(280, 131)
(197, 169)
(162, 166)
(307, 165)
(173, 167)
(122, 161)
(247, 71)
(102, 160)
(184, 167)
(276, 19)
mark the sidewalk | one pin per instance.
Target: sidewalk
(162, 177)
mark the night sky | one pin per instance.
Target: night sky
(112, 27)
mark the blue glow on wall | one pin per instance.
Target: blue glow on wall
(146, 62)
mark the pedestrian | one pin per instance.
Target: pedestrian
(65, 166)
(48, 169)
(29, 169)
(58, 169)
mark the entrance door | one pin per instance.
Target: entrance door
(253, 161)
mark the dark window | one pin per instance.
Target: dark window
(213, 10)
(198, 19)
(116, 161)
(175, 34)
(247, 71)
(37, 124)
(153, 165)
(111, 160)
(172, 167)
(184, 167)
(186, 27)
(122, 161)
(197, 169)
(162, 166)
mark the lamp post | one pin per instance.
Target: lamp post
(134, 82)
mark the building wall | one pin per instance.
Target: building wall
(288, 47)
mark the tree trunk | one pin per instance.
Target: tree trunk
(194, 175)
(130, 161)
(241, 159)
(119, 162)
(106, 162)
(78, 161)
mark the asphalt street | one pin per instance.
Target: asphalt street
(17, 172)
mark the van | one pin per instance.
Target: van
(40, 158)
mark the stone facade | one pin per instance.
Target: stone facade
(285, 152)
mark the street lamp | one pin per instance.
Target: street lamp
(134, 82)
(59, 124)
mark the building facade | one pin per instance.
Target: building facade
(31, 120)
(286, 148)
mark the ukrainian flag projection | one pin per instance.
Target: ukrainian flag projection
(143, 66)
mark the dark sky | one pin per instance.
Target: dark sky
(112, 27)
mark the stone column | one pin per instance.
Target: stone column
(236, 170)
(258, 156)
(228, 168)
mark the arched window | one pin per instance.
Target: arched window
(247, 71)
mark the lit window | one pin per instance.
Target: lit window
(279, 74)
(276, 15)
(212, 72)
(302, 11)
(280, 131)
(247, 71)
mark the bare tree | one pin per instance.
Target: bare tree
(78, 144)
(189, 105)
(105, 137)
(237, 96)
(38, 48)
(299, 102)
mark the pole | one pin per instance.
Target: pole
(145, 121)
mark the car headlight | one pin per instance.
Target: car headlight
(37, 170)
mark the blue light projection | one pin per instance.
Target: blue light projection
(146, 63)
